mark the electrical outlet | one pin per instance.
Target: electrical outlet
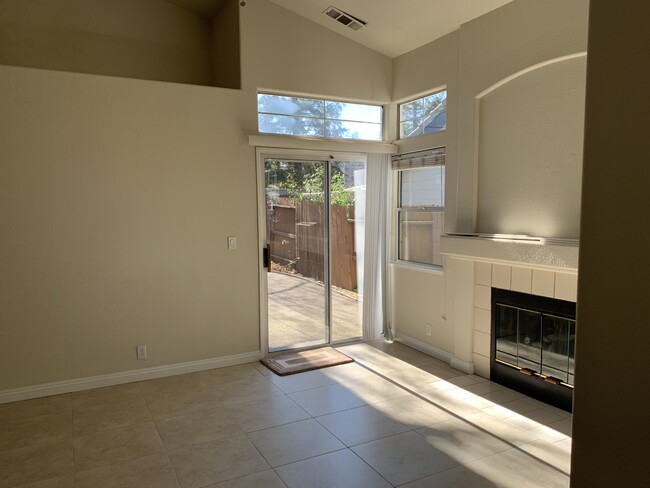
(141, 352)
(232, 243)
(427, 329)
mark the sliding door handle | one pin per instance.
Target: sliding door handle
(265, 257)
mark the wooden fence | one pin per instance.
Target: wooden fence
(295, 237)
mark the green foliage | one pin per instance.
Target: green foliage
(305, 181)
(313, 186)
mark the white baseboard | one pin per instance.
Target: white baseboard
(78, 384)
(459, 364)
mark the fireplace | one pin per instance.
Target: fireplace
(533, 344)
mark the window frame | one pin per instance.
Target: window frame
(415, 99)
(325, 119)
(398, 209)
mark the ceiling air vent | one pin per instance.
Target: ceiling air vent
(344, 18)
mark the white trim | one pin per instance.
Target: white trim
(261, 244)
(411, 265)
(313, 144)
(459, 364)
(261, 154)
(548, 62)
(78, 384)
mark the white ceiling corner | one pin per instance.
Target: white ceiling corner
(395, 27)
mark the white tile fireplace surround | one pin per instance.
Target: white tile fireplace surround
(475, 263)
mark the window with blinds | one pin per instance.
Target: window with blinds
(420, 205)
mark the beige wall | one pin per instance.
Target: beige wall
(418, 299)
(611, 429)
(530, 132)
(225, 46)
(146, 39)
(117, 195)
(285, 52)
(418, 296)
(116, 198)
(495, 46)
(482, 54)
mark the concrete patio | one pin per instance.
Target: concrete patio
(296, 311)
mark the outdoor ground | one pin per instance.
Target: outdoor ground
(297, 311)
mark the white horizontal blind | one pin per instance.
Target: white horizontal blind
(420, 159)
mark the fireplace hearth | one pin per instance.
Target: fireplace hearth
(533, 344)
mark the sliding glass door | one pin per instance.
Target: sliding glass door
(313, 235)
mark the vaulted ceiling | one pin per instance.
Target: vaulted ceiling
(393, 27)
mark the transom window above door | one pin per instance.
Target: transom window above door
(313, 117)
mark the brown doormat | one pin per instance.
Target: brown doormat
(297, 362)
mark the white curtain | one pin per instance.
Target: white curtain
(374, 277)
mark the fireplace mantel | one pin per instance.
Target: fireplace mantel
(557, 254)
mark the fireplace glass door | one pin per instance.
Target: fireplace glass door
(535, 341)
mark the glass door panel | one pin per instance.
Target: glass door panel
(297, 240)
(347, 223)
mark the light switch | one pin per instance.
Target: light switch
(232, 243)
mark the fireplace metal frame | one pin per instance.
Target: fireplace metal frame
(519, 379)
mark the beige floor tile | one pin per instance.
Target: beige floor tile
(413, 378)
(199, 427)
(373, 389)
(97, 417)
(145, 472)
(404, 457)
(347, 372)
(327, 399)
(503, 396)
(548, 434)
(404, 353)
(59, 482)
(261, 368)
(116, 445)
(506, 432)
(263, 479)
(33, 431)
(186, 383)
(35, 407)
(203, 416)
(521, 405)
(302, 381)
(37, 463)
(240, 391)
(533, 419)
(465, 380)
(104, 396)
(506, 470)
(294, 442)
(340, 469)
(216, 461)
(463, 441)
(483, 388)
(413, 412)
(374, 359)
(443, 372)
(458, 477)
(563, 426)
(363, 424)
(556, 454)
(268, 412)
(173, 403)
(450, 402)
(234, 373)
